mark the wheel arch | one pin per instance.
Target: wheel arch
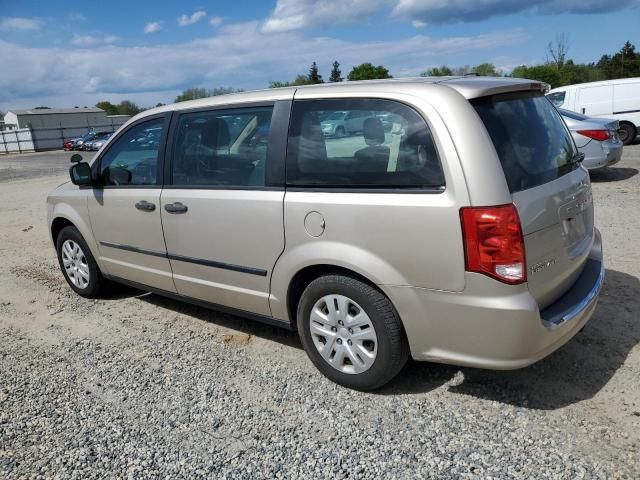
(303, 277)
(633, 126)
(64, 215)
(57, 225)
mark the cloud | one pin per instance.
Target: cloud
(186, 20)
(19, 23)
(438, 11)
(290, 15)
(228, 58)
(152, 27)
(77, 17)
(297, 14)
(216, 21)
(86, 41)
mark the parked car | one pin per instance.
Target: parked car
(615, 99)
(69, 144)
(596, 138)
(464, 236)
(97, 142)
(344, 123)
(79, 142)
(85, 143)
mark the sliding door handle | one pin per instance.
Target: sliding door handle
(145, 206)
(176, 207)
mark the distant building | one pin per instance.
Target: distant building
(51, 126)
(56, 117)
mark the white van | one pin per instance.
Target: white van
(618, 99)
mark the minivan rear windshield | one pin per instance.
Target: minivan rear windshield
(529, 136)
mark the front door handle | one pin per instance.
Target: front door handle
(176, 207)
(145, 206)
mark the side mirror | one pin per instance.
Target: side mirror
(76, 158)
(80, 173)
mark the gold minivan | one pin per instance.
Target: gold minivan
(451, 221)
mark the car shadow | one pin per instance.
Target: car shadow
(234, 322)
(575, 372)
(612, 174)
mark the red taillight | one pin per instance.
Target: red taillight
(600, 135)
(493, 242)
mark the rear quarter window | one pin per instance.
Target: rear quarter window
(361, 144)
(530, 138)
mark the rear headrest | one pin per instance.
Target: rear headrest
(312, 146)
(373, 131)
(215, 133)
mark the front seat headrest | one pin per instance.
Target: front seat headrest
(373, 131)
(215, 133)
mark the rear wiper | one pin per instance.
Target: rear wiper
(577, 157)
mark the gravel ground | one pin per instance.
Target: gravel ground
(137, 386)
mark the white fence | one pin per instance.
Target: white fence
(50, 138)
(16, 141)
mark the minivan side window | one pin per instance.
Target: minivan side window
(386, 145)
(133, 158)
(222, 148)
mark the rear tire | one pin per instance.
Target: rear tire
(627, 133)
(351, 332)
(78, 266)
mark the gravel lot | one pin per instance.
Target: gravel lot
(137, 386)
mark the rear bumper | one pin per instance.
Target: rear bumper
(494, 326)
(607, 154)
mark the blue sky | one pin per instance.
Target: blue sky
(66, 53)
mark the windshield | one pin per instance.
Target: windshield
(557, 98)
(529, 136)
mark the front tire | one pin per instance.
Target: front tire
(627, 133)
(351, 332)
(78, 266)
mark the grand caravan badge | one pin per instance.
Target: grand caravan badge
(542, 265)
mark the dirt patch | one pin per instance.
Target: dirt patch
(237, 339)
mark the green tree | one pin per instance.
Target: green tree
(486, 70)
(127, 107)
(580, 73)
(192, 94)
(108, 107)
(366, 71)
(42, 108)
(299, 80)
(314, 76)
(278, 84)
(625, 63)
(195, 93)
(442, 71)
(159, 104)
(335, 73)
(547, 73)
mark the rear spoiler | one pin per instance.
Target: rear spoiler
(476, 87)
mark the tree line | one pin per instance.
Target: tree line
(559, 70)
(364, 71)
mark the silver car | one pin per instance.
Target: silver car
(596, 138)
(463, 234)
(342, 123)
(96, 143)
